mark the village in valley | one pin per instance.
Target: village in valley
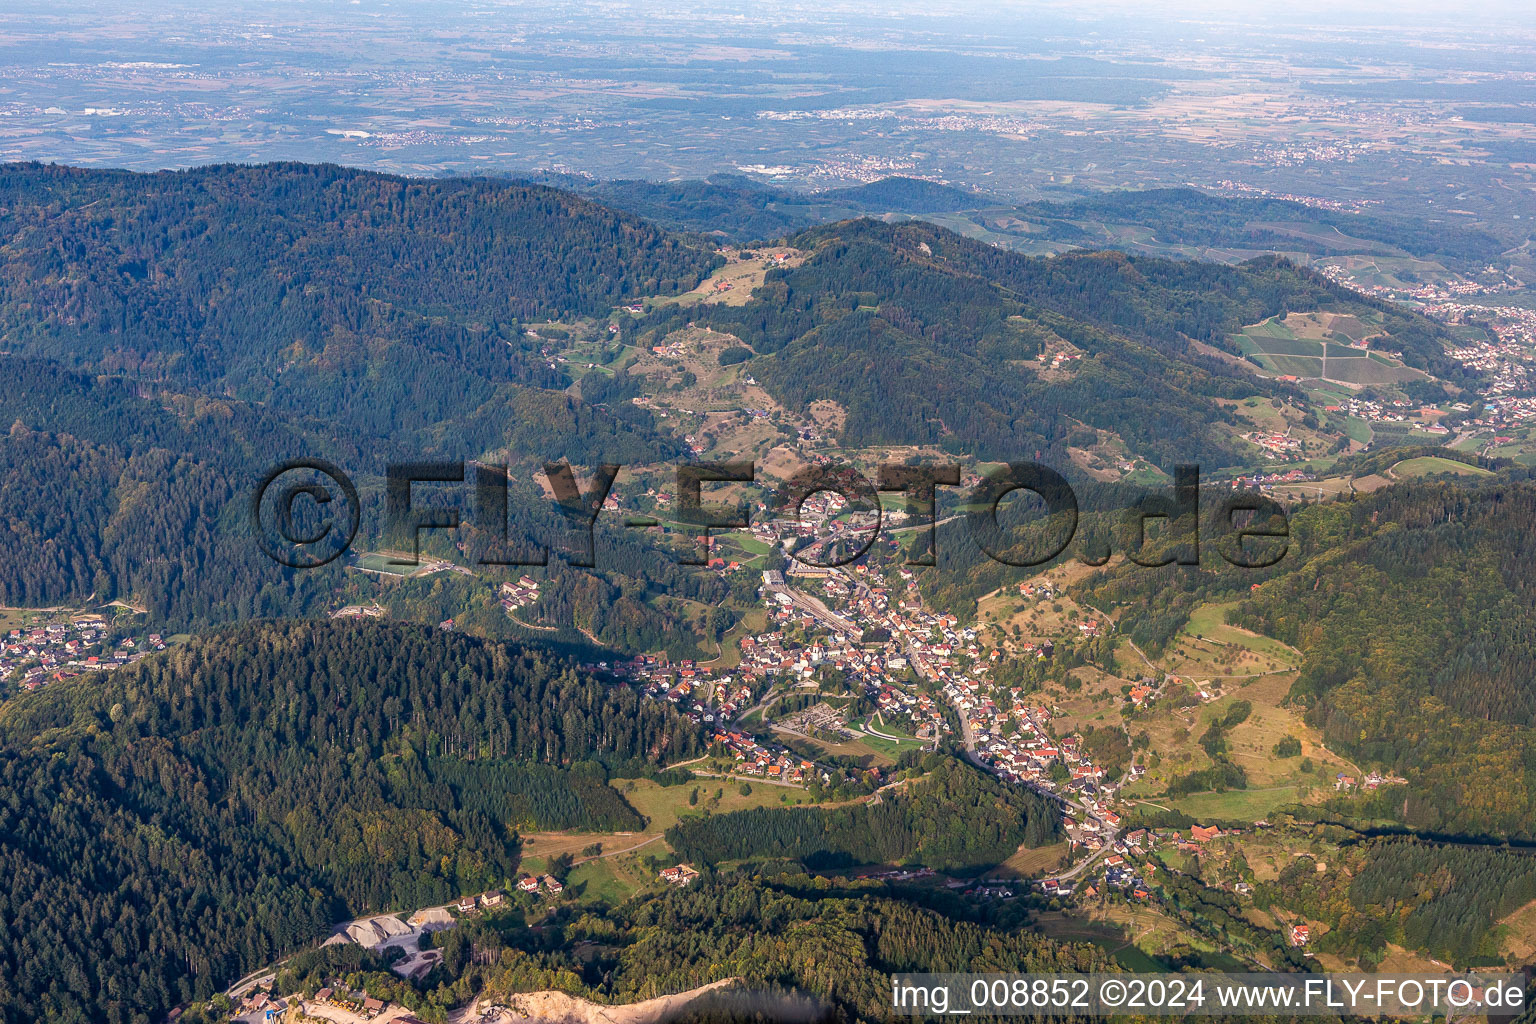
(838, 677)
(852, 662)
(59, 646)
(851, 668)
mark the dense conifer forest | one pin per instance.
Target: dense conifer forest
(121, 496)
(282, 280)
(174, 824)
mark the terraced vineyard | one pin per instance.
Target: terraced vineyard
(1324, 346)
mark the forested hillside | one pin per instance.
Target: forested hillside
(232, 799)
(109, 267)
(1446, 900)
(170, 337)
(164, 357)
(1412, 609)
(925, 337)
(119, 496)
(1184, 215)
(723, 205)
(147, 504)
(905, 195)
(839, 949)
(956, 818)
(389, 304)
(742, 209)
(1415, 613)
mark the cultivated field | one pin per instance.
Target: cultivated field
(1323, 346)
(732, 284)
(1209, 648)
(1174, 735)
(1430, 465)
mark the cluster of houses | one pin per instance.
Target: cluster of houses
(758, 760)
(680, 875)
(1507, 360)
(1402, 411)
(1261, 481)
(37, 655)
(1120, 866)
(874, 635)
(1055, 887)
(1013, 741)
(715, 697)
(1061, 357)
(823, 518)
(1333, 272)
(1039, 590)
(1275, 444)
(520, 594)
(712, 698)
(1438, 292)
(876, 668)
(1343, 782)
(703, 694)
(1393, 411)
(1502, 411)
(352, 1001)
(1119, 874)
(485, 901)
(531, 885)
(258, 1005)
